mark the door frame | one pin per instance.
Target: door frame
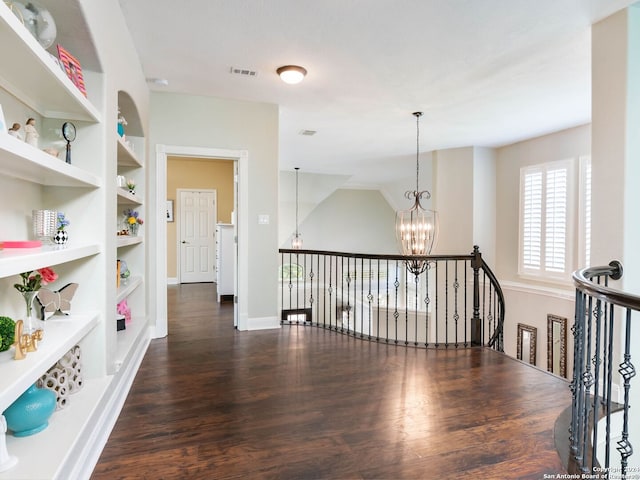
(179, 226)
(241, 226)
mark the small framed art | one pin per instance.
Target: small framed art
(72, 68)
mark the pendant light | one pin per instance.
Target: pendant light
(296, 240)
(416, 228)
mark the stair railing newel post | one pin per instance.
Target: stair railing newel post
(476, 322)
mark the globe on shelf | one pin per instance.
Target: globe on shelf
(37, 19)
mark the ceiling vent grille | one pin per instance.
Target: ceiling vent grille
(308, 133)
(244, 72)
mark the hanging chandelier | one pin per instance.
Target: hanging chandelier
(416, 228)
(296, 240)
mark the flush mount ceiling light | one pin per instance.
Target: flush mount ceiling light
(291, 74)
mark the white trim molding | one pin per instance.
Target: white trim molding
(538, 290)
(241, 157)
(262, 323)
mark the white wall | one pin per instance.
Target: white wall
(357, 221)
(571, 143)
(313, 188)
(527, 301)
(484, 203)
(453, 200)
(195, 121)
(394, 192)
(616, 165)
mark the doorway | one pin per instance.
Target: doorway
(158, 270)
(197, 218)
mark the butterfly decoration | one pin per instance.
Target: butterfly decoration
(56, 303)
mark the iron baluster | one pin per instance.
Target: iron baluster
(456, 316)
(607, 461)
(446, 304)
(627, 370)
(466, 300)
(476, 263)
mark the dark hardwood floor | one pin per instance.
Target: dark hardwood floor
(210, 402)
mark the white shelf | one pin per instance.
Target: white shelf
(128, 338)
(43, 455)
(14, 261)
(127, 157)
(125, 290)
(33, 77)
(126, 240)
(126, 198)
(61, 333)
(20, 160)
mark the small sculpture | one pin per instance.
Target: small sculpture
(14, 131)
(30, 133)
(24, 342)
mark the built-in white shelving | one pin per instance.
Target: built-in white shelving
(127, 288)
(38, 81)
(127, 157)
(32, 84)
(128, 240)
(43, 456)
(20, 160)
(14, 261)
(128, 337)
(61, 333)
(127, 198)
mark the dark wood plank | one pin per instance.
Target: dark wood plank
(210, 402)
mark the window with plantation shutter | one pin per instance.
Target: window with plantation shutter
(532, 220)
(585, 212)
(545, 248)
(556, 220)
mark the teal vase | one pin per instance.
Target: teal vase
(30, 413)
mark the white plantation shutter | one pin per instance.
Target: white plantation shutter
(556, 220)
(532, 220)
(586, 200)
(544, 219)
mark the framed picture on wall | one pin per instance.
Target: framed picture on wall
(169, 210)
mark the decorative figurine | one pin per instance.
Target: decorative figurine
(14, 131)
(30, 133)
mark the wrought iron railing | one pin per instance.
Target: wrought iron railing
(602, 374)
(455, 302)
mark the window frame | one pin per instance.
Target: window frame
(543, 273)
(585, 202)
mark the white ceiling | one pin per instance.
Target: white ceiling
(484, 72)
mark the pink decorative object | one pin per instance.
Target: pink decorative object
(22, 244)
(123, 309)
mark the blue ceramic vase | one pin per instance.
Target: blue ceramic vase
(30, 413)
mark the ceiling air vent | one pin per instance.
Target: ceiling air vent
(245, 72)
(308, 133)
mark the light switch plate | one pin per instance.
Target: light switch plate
(263, 219)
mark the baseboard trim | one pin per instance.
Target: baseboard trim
(263, 323)
(82, 461)
(172, 281)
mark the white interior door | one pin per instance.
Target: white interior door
(197, 235)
